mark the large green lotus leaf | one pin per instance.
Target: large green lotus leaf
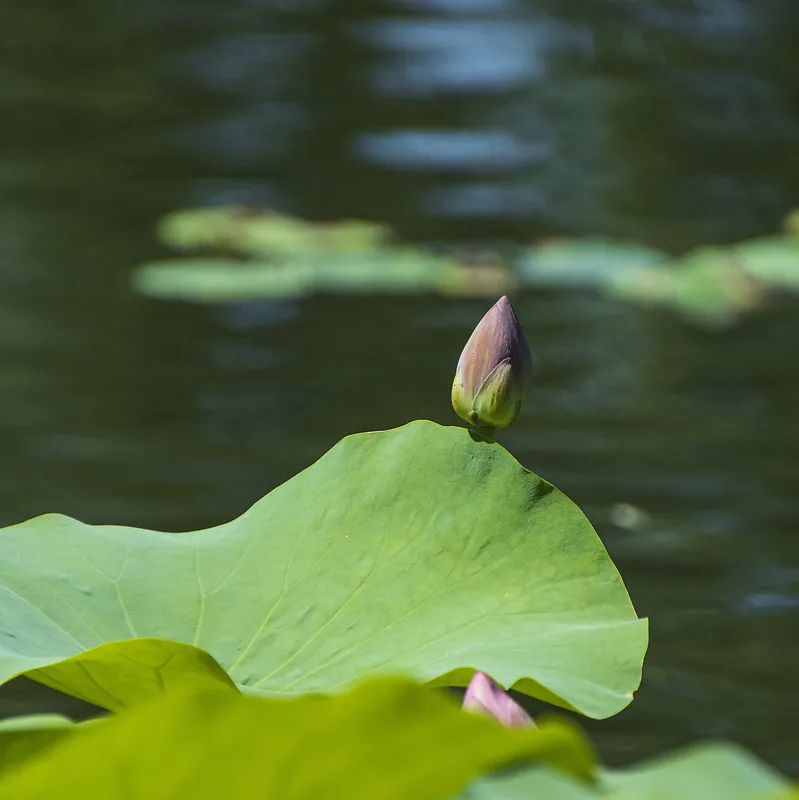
(422, 550)
(706, 772)
(117, 675)
(385, 739)
(583, 262)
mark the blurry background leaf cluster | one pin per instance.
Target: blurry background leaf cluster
(470, 143)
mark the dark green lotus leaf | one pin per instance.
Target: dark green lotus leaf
(583, 262)
(423, 550)
(387, 739)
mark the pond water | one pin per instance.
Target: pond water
(675, 123)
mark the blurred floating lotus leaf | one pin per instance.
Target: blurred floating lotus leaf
(252, 231)
(200, 228)
(531, 783)
(706, 286)
(403, 269)
(773, 260)
(280, 256)
(716, 771)
(710, 771)
(626, 515)
(383, 556)
(711, 286)
(215, 280)
(792, 223)
(387, 739)
(284, 236)
(583, 262)
(476, 281)
(395, 271)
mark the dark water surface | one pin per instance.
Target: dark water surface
(674, 123)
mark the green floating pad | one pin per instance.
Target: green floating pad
(706, 286)
(260, 232)
(530, 783)
(219, 280)
(393, 271)
(583, 262)
(792, 223)
(386, 739)
(247, 253)
(715, 771)
(424, 551)
(400, 271)
(772, 260)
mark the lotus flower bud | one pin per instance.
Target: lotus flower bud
(484, 696)
(495, 371)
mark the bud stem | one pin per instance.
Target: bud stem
(487, 431)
